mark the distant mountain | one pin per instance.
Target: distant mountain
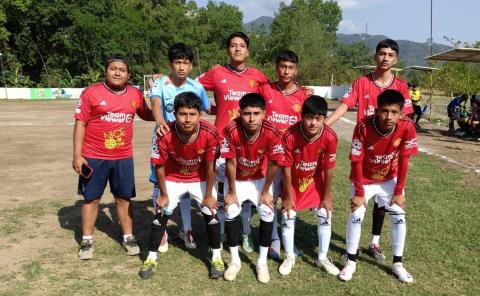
(263, 20)
(412, 53)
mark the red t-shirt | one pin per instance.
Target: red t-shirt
(379, 153)
(229, 87)
(364, 93)
(109, 120)
(307, 161)
(283, 109)
(253, 154)
(186, 161)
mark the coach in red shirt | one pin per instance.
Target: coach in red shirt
(102, 149)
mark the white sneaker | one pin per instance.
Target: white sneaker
(286, 266)
(401, 273)
(232, 271)
(328, 266)
(263, 275)
(348, 271)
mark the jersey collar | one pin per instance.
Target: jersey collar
(314, 138)
(235, 70)
(115, 92)
(384, 135)
(197, 132)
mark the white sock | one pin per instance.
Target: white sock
(216, 254)
(245, 214)
(186, 213)
(398, 230)
(88, 237)
(288, 234)
(235, 258)
(275, 226)
(262, 255)
(125, 236)
(375, 240)
(152, 255)
(324, 231)
(354, 229)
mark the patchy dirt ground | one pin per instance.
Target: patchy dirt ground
(37, 181)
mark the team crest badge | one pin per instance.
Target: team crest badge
(200, 151)
(133, 103)
(252, 83)
(296, 107)
(397, 142)
(261, 151)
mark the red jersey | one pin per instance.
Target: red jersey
(379, 153)
(229, 87)
(307, 161)
(253, 154)
(186, 161)
(283, 109)
(364, 93)
(109, 120)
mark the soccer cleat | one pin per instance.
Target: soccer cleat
(247, 243)
(188, 239)
(131, 246)
(148, 268)
(274, 249)
(401, 273)
(232, 271)
(217, 269)
(287, 265)
(376, 253)
(163, 248)
(86, 250)
(297, 252)
(263, 276)
(347, 272)
(328, 266)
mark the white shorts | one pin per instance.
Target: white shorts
(249, 190)
(176, 190)
(382, 192)
(220, 170)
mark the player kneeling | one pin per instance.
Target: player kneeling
(184, 163)
(381, 147)
(249, 144)
(310, 153)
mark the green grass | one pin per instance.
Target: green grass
(441, 250)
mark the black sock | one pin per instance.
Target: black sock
(232, 228)
(378, 216)
(265, 237)
(159, 226)
(352, 257)
(213, 230)
(397, 259)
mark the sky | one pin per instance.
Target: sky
(397, 19)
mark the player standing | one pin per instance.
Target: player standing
(229, 84)
(102, 141)
(164, 90)
(284, 99)
(381, 147)
(184, 164)
(310, 153)
(250, 145)
(364, 93)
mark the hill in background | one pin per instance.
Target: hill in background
(412, 53)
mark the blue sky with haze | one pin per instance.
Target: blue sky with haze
(398, 19)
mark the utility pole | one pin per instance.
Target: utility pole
(430, 41)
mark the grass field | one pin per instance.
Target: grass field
(442, 249)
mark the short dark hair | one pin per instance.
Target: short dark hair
(464, 97)
(252, 100)
(239, 35)
(390, 97)
(180, 51)
(187, 100)
(117, 58)
(388, 43)
(287, 56)
(315, 105)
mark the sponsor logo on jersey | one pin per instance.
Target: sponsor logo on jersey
(277, 149)
(114, 139)
(247, 162)
(234, 95)
(117, 117)
(282, 118)
(383, 158)
(356, 147)
(305, 166)
(370, 110)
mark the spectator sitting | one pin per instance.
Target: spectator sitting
(452, 109)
